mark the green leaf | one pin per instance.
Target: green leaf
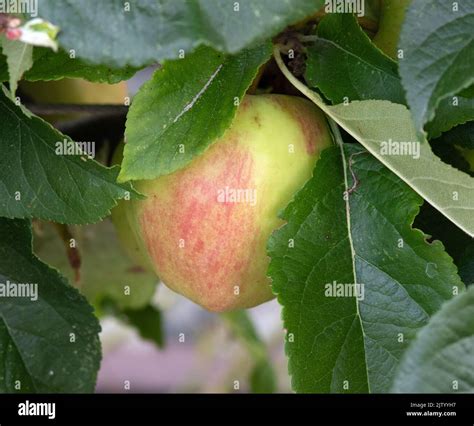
(19, 59)
(374, 123)
(185, 107)
(466, 264)
(453, 146)
(451, 155)
(378, 125)
(468, 92)
(148, 322)
(35, 182)
(106, 271)
(49, 65)
(49, 343)
(462, 136)
(242, 326)
(431, 70)
(262, 376)
(140, 32)
(439, 227)
(352, 342)
(54, 66)
(345, 65)
(450, 113)
(440, 359)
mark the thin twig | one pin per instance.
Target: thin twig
(355, 179)
(307, 38)
(72, 253)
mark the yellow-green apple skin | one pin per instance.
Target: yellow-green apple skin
(130, 241)
(390, 24)
(468, 154)
(74, 91)
(204, 228)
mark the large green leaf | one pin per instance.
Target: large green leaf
(374, 123)
(344, 227)
(184, 108)
(35, 182)
(345, 65)
(383, 127)
(438, 54)
(143, 31)
(49, 65)
(441, 360)
(49, 343)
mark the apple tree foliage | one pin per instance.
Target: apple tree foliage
(401, 225)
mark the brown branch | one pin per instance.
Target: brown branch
(72, 253)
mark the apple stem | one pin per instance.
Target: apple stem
(307, 38)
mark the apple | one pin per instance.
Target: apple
(468, 154)
(390, 24)
(204, 228)
(73, 91)
(130, 242)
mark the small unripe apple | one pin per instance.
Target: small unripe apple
(204, 228)
(74, 91)
(390, 25)
(468, 154)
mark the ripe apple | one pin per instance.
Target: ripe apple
(204, 228)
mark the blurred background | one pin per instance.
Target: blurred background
(211, 358)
